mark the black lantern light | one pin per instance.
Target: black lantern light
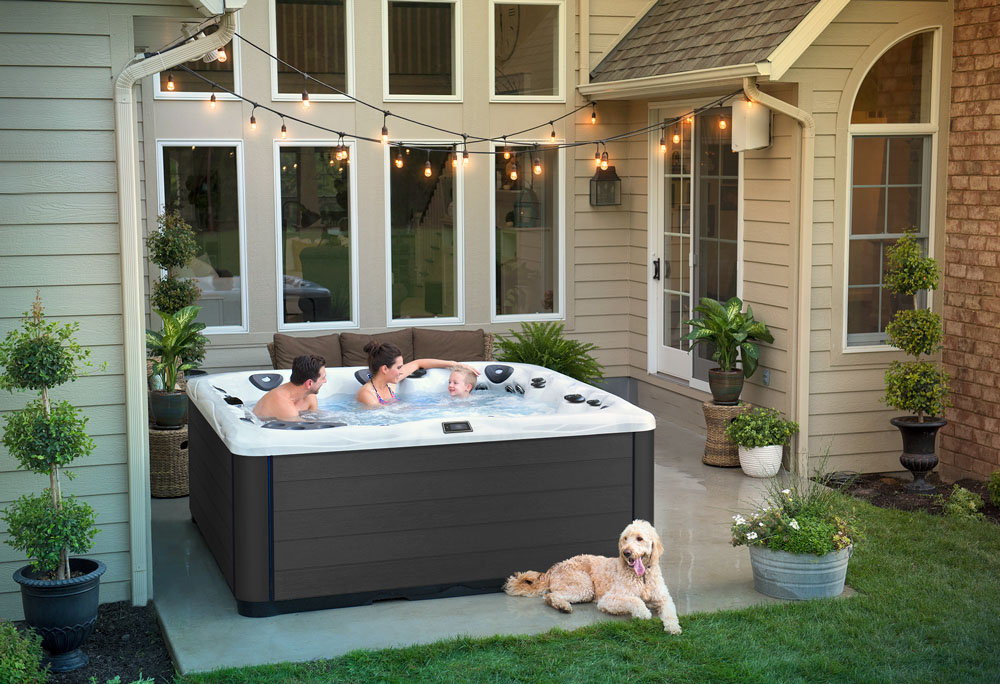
(605, 188)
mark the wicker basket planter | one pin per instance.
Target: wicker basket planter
(719, 451)
(168, 462)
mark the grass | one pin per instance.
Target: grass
(928, 610)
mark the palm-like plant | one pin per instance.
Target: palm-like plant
(180, 334)
(543, 344)
(731, 332)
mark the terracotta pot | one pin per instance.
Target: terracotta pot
(726, 386)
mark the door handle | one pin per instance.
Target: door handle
(656, 269)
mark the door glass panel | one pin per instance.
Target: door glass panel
(676, 236)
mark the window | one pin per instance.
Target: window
(528, 237)
(890, 190)
(316, 221)
(527, 51)
(179, 84)
(422, 50)
(203, 182)
(423, 221)
(313, 36)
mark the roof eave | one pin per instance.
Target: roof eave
(651, 86)
(802, 36)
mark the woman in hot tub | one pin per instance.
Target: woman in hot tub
(386, 369)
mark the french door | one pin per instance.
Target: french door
(695, 226)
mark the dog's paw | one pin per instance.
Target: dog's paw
(672, 627)
(642, 613)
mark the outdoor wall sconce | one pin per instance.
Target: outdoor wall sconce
(605, 188)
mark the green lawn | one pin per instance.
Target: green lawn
(927, 610)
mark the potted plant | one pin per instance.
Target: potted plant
(761, 435)
(172, 346)
(542, 344)
(732, 334)
(59, 594)
(799, 540)
(919, 387)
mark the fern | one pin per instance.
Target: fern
(543, 344)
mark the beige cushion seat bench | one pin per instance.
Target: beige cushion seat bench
(347, 349)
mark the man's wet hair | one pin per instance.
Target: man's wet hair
(306, 367)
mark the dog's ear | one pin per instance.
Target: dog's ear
(657, 547)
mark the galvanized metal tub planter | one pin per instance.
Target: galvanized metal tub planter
(798, 576)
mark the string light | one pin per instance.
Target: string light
(537, 167)
(454, 157)
(284, 129)
(170, 82)
(253, 120)
(211, 101)
(305, 98)
(385, 129)
(513, 171)
(427, 167)
(749, 104)
(604, 161)
(506, 148)
(552, 135)
(399, 159)
(689, 119)
(663, 143)
(465, 150)
(722, 124)
(597, 154)
(222, 56)
(593, 112)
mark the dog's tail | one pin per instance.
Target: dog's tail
(528, 583)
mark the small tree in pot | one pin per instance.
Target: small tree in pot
(920, 387)
(59, 594)
(732, 334)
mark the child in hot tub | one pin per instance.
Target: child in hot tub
(461, 381)
(386, 369)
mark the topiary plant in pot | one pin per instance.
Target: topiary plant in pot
(917, 386)
(59, 594)
(172, 346)
(544, 345)
(732, 335)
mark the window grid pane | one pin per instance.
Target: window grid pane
(312, 36)
(421, 48)
(897, 88)
(526, 49)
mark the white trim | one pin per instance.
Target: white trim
(561, 30)
(931, 130)
(457, 54)
(459, 209)
(348, 60)
(802, 36)
(653, 86)
(560, 306)
(241, 212)
(189, 95)
(352, 212)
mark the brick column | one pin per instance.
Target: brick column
(970, 444)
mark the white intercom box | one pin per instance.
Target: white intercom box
(751, 126)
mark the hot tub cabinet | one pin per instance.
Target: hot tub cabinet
(305, 531)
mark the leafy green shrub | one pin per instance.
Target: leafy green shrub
(43, 438)
(173, 294)
(542, 344)
(993, 486)
(909, 271)
(916, 331)
(180, 340)
(760, 427)
(919, 387)
(962, 503)
(118, 680)
(20, 656)
(172, 245)
(729, 331)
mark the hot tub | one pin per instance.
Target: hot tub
(322, 514)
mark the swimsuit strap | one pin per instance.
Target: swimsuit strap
(380, 400)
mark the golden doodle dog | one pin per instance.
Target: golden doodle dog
(625, 585)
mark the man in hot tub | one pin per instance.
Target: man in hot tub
(287, 401)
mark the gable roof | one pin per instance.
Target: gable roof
(678, 36)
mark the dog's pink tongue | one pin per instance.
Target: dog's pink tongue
(639, 568)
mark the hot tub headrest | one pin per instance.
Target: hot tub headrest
(265, 381)
(496, 373)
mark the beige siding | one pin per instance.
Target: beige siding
(609, 20)
(847, 418)
(59, 235)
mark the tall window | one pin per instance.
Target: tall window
(891, 137)
(422, 49)
(527, 218)
(203, 183)
(215, 67)
(311, 35)
(315, 234)
(527, 50)
(423, 230)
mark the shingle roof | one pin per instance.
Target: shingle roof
(687, 35)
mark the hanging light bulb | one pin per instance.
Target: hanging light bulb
(597, 155)
(552, 135)
(222, 56)
(749, 104)
(722, 124)
(331, 161)
(454, 157)
(513, 171)
(284, 130)
(385, 129)
(537, 167)
(170, 82)
(465, 157)
(211, 101)
(253, 123)
(427, 170)
(593, 113)
(305, 97)
(399, 160)
(677, 136)
(506, 148)
(690, 119)
(604, 161)
(663, 143)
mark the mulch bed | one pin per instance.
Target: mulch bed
(127, 640)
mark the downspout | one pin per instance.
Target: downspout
(800, 386)
(133, 310)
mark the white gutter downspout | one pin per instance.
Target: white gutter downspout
(800, 395)
(133, 308)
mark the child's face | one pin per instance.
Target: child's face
(457, 386)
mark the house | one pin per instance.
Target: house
(855, 97)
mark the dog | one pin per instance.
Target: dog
(625, 585)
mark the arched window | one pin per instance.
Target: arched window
(891, 136)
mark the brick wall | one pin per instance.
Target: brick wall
(970, 444)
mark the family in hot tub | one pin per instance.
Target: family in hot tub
(385, 371)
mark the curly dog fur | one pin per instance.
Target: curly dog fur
(625, 585)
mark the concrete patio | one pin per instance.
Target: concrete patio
(694, 503)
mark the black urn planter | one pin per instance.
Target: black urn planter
(62, 612)
(726, 386)
(918, 455)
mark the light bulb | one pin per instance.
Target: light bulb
(427, 170)
(749, 104)
(305, 98)
(676, 138)
(513, 172)
(253, 123)
(722, 124)
(331, 161)
(454, 161)
(465, 158)
(170, 82)
(385, 135)
(552, 136)
(597, 159)
(222, 55)
(284, 131)
(593, 116)
(346, 154)
(604, 161)
(663, 144)
(211, 101)
(537, 168)
(506, 153)
(399, 160)
(690, 119)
